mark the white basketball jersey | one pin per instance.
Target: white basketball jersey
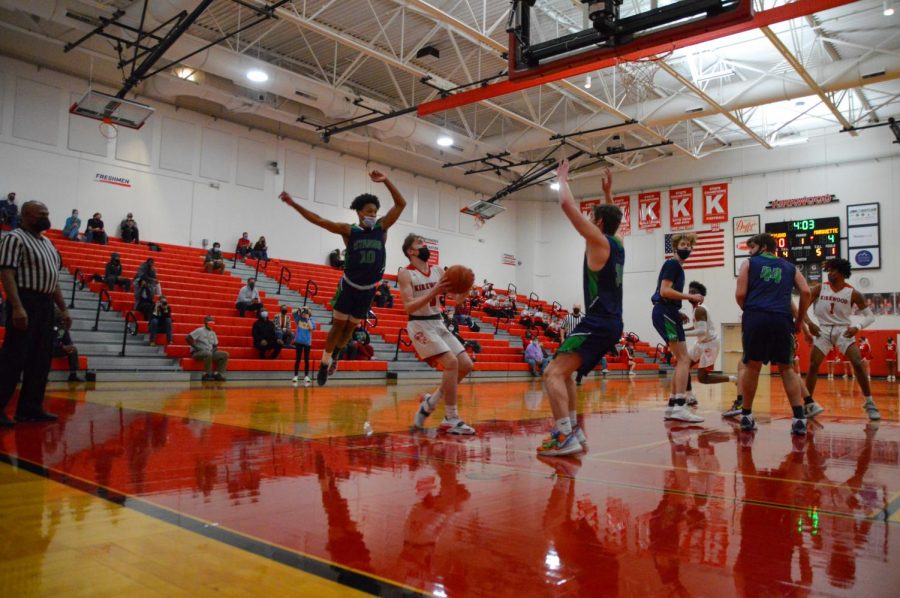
(710, 328)
(422, 285)
(833, 308)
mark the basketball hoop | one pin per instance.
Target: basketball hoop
(107, 128)
(479, 221)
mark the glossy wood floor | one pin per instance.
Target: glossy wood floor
(254, 490)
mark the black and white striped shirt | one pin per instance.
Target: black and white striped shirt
(34, 259)
(571, 322)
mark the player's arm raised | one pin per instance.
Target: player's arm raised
(607, 186)
(412, 303)
(865, 311)
(339, 228)
(582, 223)
(399, 202)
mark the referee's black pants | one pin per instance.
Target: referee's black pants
(28, 352)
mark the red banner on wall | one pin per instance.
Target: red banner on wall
(624, 204)
(587, 206)
(715, 203)
(681, 208)
(434, 258)
(648, 210)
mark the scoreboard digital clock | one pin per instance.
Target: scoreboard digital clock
(807, 243)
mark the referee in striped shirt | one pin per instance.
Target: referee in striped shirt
(572, 320)
(29, 270)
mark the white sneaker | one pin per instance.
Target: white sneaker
(579, 434)
(812, 409)
(456, 426)
(732, 379)
(306, 381)
(668, 412)
(871, 410)
(691, 400)
(422, 413)
(681, 413)
(295, 379)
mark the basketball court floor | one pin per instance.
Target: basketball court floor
(236, 490)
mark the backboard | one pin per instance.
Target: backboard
(485, 209)
(112, 110)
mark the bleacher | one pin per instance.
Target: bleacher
(57, 363)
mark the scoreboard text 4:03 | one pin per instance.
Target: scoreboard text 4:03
(808, 240)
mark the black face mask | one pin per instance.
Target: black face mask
(424, 254)
(43, 224)
(683, 253)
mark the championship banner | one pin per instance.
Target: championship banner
(715, 203)
(587, 206)
(681, 208)
(624, 204)
(435, 256)
(648, 210)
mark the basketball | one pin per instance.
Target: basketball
(461, 278)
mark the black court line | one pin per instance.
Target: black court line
(328, 571)
(886, 513)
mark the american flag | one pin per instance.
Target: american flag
(709, 250)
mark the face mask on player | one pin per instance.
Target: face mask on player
(684, 253)
(424, 254)
(369, 221)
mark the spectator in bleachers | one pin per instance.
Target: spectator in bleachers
(487, 289)
(474, 299)
(264, 338)
(144, 303)
(161, 321)
(359, 347)
(113, 274)
(214, 262)
(9, 211)
(146, 271)
(64, 347)
(492, 307)
(95, 233)
(72, 226)
(260, 250)
(283, 328)
(248, 298)
(534, 354)
(205, 347)
(244, 246)
(553, 330)
(335, 259)
(474, 345)
(628, 354)
(525, 318)
(384, 298)
(303, 342)
(128, 230)
(462, 315)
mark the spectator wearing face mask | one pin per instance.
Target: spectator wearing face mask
(205, 348)
(535, 354)
(283, 326)
(248, 298)
(260, 250)
(72, 226)
(128, 230)
(572, 320)
(244, 246)
(113, 274)
(95, 233)
(264, 338)
(214, 262)
(161, 321)
(303, 342)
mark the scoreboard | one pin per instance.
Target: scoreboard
(807, 243)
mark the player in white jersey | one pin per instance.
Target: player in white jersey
(420, 287)
(833, 302)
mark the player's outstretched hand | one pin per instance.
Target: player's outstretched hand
(814, 329)
(377, 177)
(607, 182)
(562, 172)
(286, 198)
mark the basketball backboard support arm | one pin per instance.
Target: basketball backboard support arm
(644, 47)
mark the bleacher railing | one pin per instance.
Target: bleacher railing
(556, 307)
(101, 305)
(371, 320)
(400, 341)
(501, 319)
(265, 266)
(78, 283)
(312, 289)
(282, 278)
(532, 296)
(512, 290)
(131, 327)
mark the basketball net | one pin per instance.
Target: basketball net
(108, 129)
(479, 221)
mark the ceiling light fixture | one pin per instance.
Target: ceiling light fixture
(257, 76)
(587, 82)
(555, 185)
(445, 141)
(888, 8)
(188, 74)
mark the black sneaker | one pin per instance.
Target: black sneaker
(322, 376)
(218, 377)
(74, 378)
(207, 378)
(748, 424)
(798, 427)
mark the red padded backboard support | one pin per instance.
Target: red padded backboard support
(650, 45)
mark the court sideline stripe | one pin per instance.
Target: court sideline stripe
(328, 570)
